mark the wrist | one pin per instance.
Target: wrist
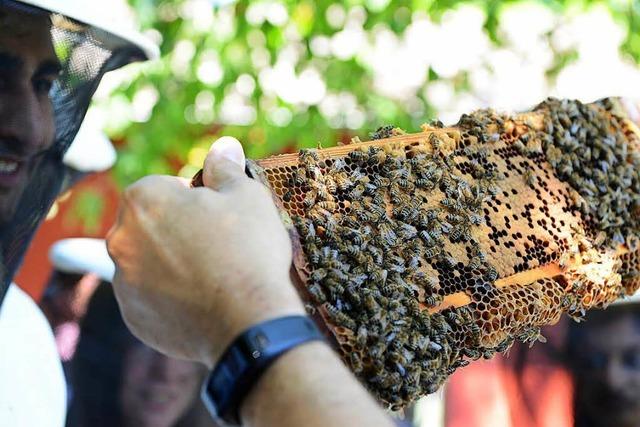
(289, 373)
(247, 359)
(253, 310)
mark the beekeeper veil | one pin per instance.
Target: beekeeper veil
(53, 54)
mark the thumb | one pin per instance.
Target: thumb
(224, 164)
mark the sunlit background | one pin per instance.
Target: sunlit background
(281, 75)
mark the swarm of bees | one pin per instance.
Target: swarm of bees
(589, 149)
(424, 252)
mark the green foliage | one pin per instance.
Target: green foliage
(87, 209)
(201, 67)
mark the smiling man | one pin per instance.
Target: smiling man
(43, 100)
(28, 69)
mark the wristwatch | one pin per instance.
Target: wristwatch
(248, 356)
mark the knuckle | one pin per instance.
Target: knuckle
(143, 191)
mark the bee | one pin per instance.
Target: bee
(335, 288)
(353, 295)
(309, 198)
(532, 335)
(313, 253)
(358, 156)
(376, 212)
(328, 205)
(402, 173)
(387, 234)
(377, 156)
(425, 183)
(475, 263)
(360, 213)
(520, 147)
(309, 156)
(414, 308)
(339, 275)
(433, 300)
(406, 231)
(340, 317)
(300, 176)
(330, 183)
(491, 274)
(429, 241)
(434, 347)
(504, 345)
(432, 252)
(342, 181)
(306, 228)
(475, 218)
(359, 236)
(454, 318)
(382, 132)
(530, 178)
(318, 214)
(315, 172)
(406, 184)
(357, 192)
(316, 292)
(355, 362)
(371, 306)
(431, 365)
(389, 288)
(461, 363)
(457, 233)
(396, 193)
(318, 274)
(322, 192)
(379, 276)
(330, 228)
(488, 354)
(436, 142)
(377, 254)
(421, 279)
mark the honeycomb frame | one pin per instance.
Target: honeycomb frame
(523, 242)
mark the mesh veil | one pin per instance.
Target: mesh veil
(86, 54)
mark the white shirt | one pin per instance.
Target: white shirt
(32, 385)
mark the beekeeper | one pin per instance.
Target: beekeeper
(43, 99)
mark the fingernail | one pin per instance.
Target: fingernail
(230, 149)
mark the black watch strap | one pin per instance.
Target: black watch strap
(248, 357)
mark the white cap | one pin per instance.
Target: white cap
(82, 255)
(112, 21)
(91, 150)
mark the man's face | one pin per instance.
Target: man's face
(609, 373)
(28, 68)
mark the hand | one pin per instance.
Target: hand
(197, 266)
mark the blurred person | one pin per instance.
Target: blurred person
(604, 358)
(118, 381)
(79, 266)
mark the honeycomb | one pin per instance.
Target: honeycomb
(418, 253)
